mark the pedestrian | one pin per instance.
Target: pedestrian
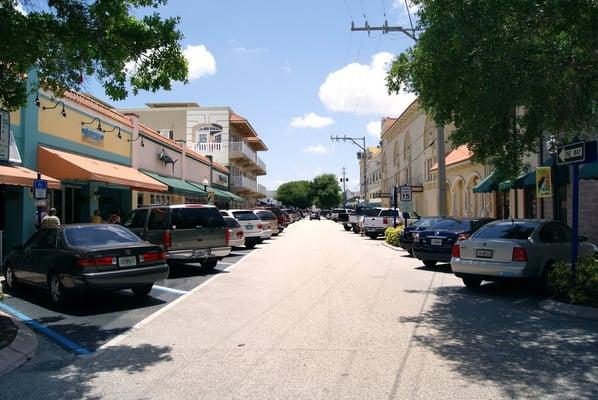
(40, 214)
(96, 218)
(51, 220)
(114, 218)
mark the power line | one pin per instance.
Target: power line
(348, 10)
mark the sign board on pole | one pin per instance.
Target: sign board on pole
(40, 189)
(4, 135)
(543, 182)
(405, 193)
(576, 153)
(210, 197)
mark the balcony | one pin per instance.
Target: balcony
(260, 166)
(208, 148)
(243, 184)
(262, 190)
(242, 153)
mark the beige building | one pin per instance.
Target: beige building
(371, 178)
(217, 132)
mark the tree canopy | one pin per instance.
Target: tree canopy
(326, 191)
(295, 194)
(67, 39)
(505, 72)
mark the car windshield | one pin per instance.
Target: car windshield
(389, 213)
(99, 235)
(371, 212)
(245, 215)
(506, 230)
(453, 225)
(265, 215)
(338, 210)
(426, 222)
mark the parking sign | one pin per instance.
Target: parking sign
(406, 193)
(40, 189)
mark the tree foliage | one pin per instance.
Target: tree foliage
(66, 39)
(505, 71)
(326, 191)
(295, 194)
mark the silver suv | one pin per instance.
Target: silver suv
(187, 232)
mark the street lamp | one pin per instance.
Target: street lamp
(205, 183)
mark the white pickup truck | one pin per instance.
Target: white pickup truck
(375, 225)
(356, 219)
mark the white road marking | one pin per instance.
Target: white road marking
(225, 263)
(522, 300)
(170, 290)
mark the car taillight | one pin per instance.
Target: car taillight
(167, 239)
(519, 254)
(240, 234)
(456, 251)
(96, 261)
(385, 221)
(463, 236)
(152, 256)
(228, 232)
(259, 226)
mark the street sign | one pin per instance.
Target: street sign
(210, 197)
(417, 188)
(576, 153)
(40, 189)
(383, 195)
(405, 193)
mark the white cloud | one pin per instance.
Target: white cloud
(201, 61)
(374, 128)
(19, 7)
(311, 120)
(251, 50)
(317, 149)
(361, 89)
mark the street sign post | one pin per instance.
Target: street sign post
(406, 194)
(40, 189)
(394, 206)
(575, 154)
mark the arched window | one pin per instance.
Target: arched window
(209, 133)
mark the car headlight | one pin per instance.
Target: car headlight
(416, 237)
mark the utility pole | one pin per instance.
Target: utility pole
(355, 140)
(410, 32)
(344, 179)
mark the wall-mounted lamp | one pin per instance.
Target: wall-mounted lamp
(99, 127)
(62, 112)
(113, 129)
(36, 102)
(136, 139)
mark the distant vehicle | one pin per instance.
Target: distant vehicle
(314, 215)
(435, 244)
(269, 217)
(279, 216)
(355, 219)
(336, 212)
(86, 257)
(406, 237)
(374, 226)
(251, 224)
(344, 218)
(188, 233)
(237, 236)
(520, 248)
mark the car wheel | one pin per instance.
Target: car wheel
(472, 283)
(347, 228)
(11, 280)
(430, 263)
(544, 279)
(410, 252)
(142, 290)
(355, 230)
(372, 236)
(210, 264)
(58, 293)
(249, 245)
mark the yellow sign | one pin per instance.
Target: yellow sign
(210, 197)
(543, 182)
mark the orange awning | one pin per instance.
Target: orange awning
(21, 176)
(68, 166)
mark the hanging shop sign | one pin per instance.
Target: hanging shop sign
(544, 182)
(92, 137)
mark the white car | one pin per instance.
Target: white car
(250, 223)
(236, 234)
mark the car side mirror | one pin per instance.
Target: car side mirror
(583, 238)
(18, 247)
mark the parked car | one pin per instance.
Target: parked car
(343, 218)
(336, 212)
(355, 219)
(86, 257)
(314, 215)
(236, 234)
(287, 218)
(374, 226)
(422, 224)
(279, 217)
(251, 224)
(367, 212)
(188, 233)
(435, 244)
(520, 248)
(268, 217)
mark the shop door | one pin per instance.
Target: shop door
(72, 204)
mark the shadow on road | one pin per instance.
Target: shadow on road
(444, 268)
(185, 271)
(525, 352)
(73, 378)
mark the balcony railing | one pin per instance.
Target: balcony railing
(208, 148)
(260, 163)
(242, 148)
(262, 189)
(243, 182)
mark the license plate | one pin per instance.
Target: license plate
(127, 261)
(250, 227)
(436, 242)
(484, 253)
(199, 253)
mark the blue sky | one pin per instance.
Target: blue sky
(274, 62)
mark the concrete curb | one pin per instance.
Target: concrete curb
(389, 246)
(22, 349)
(571, 310)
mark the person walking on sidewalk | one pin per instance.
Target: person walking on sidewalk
(51, 220)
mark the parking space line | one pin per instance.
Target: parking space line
(522, 300)
(46, 331)
(170, 290)
(225, 263)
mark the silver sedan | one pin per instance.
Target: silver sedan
(519, 248)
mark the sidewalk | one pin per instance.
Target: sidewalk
(22, 348)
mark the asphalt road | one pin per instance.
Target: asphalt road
(324, 313)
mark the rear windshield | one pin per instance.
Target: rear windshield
(426, 222)
(371, 212)
(339, 210)
(265, 215)
(99, 235)
(245, 215)
(453, 225)
(276, 211)
(230, 222)
(196, 217)
(389, 213)
(506, 230)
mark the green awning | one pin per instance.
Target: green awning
(222, 194)
(505, 185)
(487, 185)
(176, 185)
(589, 171)
(561, 176)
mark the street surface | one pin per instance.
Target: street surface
(320, 313)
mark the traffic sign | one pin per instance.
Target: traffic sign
(576, 153)
(405, 193)
(40, 189)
